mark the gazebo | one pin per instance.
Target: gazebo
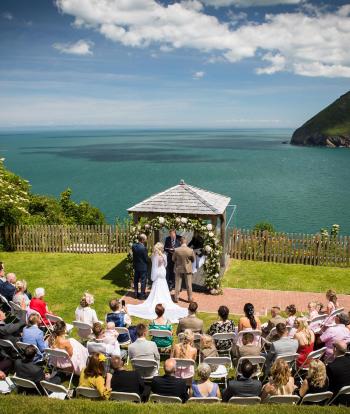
(189, 201)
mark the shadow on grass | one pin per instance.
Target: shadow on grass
(119, 277)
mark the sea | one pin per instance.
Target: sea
(297, 189)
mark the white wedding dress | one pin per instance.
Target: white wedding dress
(159, 294)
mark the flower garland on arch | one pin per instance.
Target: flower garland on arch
(212, 247)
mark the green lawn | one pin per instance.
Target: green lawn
(260, 275)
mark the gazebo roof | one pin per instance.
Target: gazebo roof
(183, 199)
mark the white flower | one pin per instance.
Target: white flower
(130, 244)
(207, 248)
(147, 226)
(216, 275)
(161, 220)
(209, 227)
(133, 229)
(177, 219)
(183, 220)
(211, 234)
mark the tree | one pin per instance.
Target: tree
(264, 226)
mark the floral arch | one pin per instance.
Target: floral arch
(212, 246)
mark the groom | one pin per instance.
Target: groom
(171, 243)
(183, 257)
(140, 261)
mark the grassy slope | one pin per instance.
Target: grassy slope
(260, 275)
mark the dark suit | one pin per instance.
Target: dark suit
(129, 381)
(140, 261)
(242, 387)
(170, 386)
(7, 290)
(338, 373)
(13, 330)
(28, 370)
(169, 250)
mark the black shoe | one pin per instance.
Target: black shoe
(142, 297)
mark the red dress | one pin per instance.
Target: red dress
(40, 306)
(303, 352)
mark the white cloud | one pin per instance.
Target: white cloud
(248, 3)
(198, 75)
(81, 47)
(308, 45)
(7, 16)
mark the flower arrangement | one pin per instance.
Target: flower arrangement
(212, 246)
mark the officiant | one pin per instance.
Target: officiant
(170, 244)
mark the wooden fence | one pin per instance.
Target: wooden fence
(306, 249)
(241, 244)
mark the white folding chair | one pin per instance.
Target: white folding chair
(87, 392)
(147, 368)
(290, 359)
(159, 333)
(321, 397)
(225, 336)
(25, 384)
(156, 398)
(332, 315)
(282, 399)
(258, 361)
(221, 372)
(182, 365)
(58, 356)
(15, 308)
(84, 329)
(125, 396)
(255, 332)
(54, 318)
(99, 347)
(343, 391)
(6, 307)
(319, 318)
(318, 354)
(56, 391)
(244, 400)
(124, 331)
(23, 345)
(9, 348)
(205, 400)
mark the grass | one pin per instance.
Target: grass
(34, 405)
(246, 274)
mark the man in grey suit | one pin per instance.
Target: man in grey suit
(191, 321)
(283, 346)
(183, 257)
(142, 348)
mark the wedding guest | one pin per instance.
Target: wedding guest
(306, 339)
(39, 305)
(163, 324)
(93, 376)
(7, 289)
(244, 385)
(312, 310)
(316, 380)
(121, 380)
(332, 334)
(281, 381)
(33, 335)
(275, 319)
(121, 319)
(291, 311)
(140, 262)
(204, 387)
(168, 384)
(12, 330)
(20, 297)
(222, 325)
(2, 273)
(109, 339)
(249, 321)
(338, 372)
(77, 352)
(185, 350)
(183, 258)
(84, 313)
(207, 348)
(191, 321)
(333, 303)
(171, 243)
(248, 347)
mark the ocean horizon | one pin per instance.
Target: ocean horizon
(297, 189)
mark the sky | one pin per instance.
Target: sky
(171, 64)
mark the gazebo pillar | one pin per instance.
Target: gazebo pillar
(223, 238)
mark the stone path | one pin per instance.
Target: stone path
(261, 299)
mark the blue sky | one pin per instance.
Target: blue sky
(190, 63)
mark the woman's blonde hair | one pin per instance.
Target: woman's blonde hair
(20, 285)
(207, 342)
(158, 248)
(187, 341)
(317, 375)
(331, 296)
(303, 326)
(280, 373)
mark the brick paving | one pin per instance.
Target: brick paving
(262, 300)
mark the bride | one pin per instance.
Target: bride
(159, 292)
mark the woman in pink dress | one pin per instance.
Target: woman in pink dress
(306, 339)
(332, 305)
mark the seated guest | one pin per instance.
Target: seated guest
(121, 380)
(33, 335)
(248, 348)
(249, 321)
(204, 387)
(168, 384)
(39, 305)
(26, 368)
(142, 348)
(207, 347)
(338, 372)
(20, 297)
(7, 289)
(275, 319)
(281, 382)
(222, 325)
(12, 330)
(312, 310)
(185, 350)
(284, 345)
(93, 376)
(306, 339)
(2, 273)
(121, 319)
(77, 352)
(291, 311)
(333, 303)
(107, 337)
(316, 380)
(161, 323)
(332, 334)
(84, 313)
(191, 321)
(244, 385)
